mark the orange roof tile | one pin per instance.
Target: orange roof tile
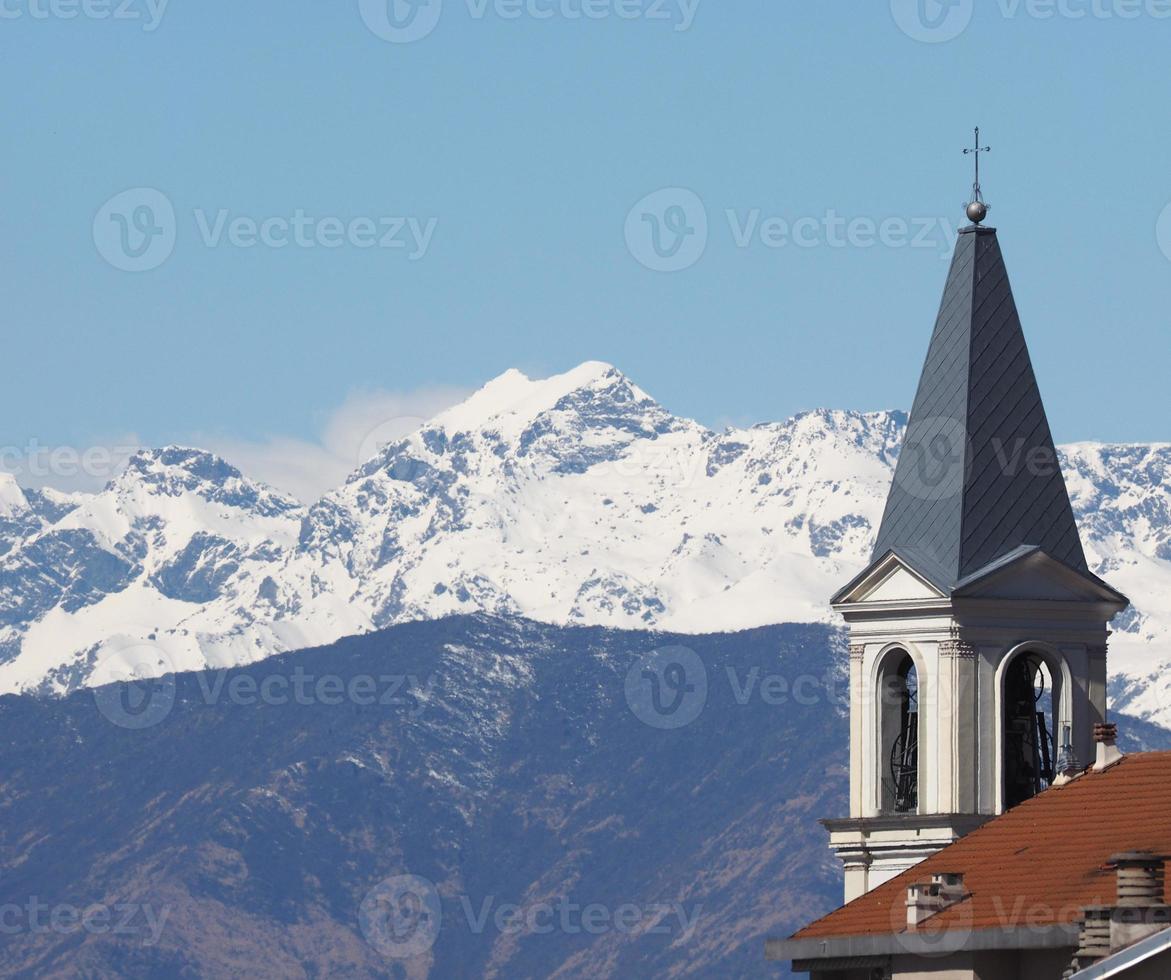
(1036, 865)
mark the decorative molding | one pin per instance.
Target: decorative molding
(857, 651)
(957, 648)
(1097, 652)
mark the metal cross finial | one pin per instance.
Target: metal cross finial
(977, 150)
(976, 209)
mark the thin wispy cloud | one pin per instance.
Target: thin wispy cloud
(351, 434)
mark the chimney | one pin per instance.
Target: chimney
(1105, 735)
(928, 898)
(1094, 936)
(1140, 878)
(1140, 911)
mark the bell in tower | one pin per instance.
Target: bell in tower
(978, 632)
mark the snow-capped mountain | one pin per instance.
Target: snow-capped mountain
(1122, 499)
(24, 512)
(572, 500)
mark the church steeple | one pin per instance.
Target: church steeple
(978, 476)
(978, 632)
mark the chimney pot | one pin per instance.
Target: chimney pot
(1106, 732)
(927, 898)
(1140, 878)
(1093, 937)
(1105, 735)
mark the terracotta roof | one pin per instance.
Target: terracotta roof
(1036, 865)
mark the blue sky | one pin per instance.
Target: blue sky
(511, 148)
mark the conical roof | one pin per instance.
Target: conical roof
(978, 476)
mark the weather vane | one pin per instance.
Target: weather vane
(977, 210)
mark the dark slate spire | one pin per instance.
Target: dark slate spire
(978, 476)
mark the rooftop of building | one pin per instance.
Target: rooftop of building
(1039, 865)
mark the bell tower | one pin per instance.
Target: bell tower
(978, 632)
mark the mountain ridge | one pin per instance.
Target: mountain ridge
(248, 827)
(255, 830)
(576, 499)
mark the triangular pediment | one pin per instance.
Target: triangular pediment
(1025, 574)
(890, 579)
(1032, 574)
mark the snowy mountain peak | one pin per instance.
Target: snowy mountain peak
(573, 499)
(12, 499)
(564, 423)
(176, 470)
(839, 420)
(512, 402)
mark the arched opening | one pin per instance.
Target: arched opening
(1031, 698)
(899, 729)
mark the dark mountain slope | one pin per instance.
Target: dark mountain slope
(246, 825)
